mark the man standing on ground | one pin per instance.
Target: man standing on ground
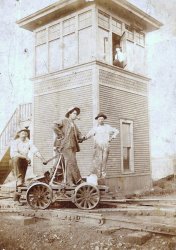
(19, 152)
(103, 134)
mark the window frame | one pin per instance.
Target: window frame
(55, 37)
(61, 36)
(129, 32)
(70, 28)
(127, 28)
(138, 35)
(102, 13)
(80, 27)
(131, 167)
(117, 30)
(39, 42)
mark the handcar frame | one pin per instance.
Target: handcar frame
(45, 190)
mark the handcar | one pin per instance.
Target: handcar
(52, 187)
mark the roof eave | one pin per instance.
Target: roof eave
(35, 20)
(152, 23)
(47, 14)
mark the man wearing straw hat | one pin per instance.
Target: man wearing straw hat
(103, 134)
(19, 152)
(67, 141)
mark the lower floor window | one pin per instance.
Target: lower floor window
(126, 158)
(127, 151)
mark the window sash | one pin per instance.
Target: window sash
(127, 147)
(41, 37)
(140, 38)
(54, 32)
(69, 26)
(116, 26)
(129, 32)
(85, 19)
(126, 158)
(103, 20)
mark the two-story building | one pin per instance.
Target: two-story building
(74, 64)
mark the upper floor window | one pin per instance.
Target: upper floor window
(41, 37)
(129, 32)
(54, 32)
(85, 19)
(54, 45)
(41, 65)
(116, 26)
(118, 42)
(69, 26)
(64, 43)
(140, 38)
(103, 20)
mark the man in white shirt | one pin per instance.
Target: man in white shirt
(103, 134)
(120, 58)
(19, 153)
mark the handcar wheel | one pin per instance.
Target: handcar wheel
(87, 196)
(39, 196)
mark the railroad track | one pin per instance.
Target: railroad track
(131, 216)
(110, 200)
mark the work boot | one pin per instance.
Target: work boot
(80, 182)
(16, 196)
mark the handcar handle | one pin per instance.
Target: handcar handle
(46, 162)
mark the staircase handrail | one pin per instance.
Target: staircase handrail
(16, 110)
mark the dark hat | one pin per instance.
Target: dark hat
(101, 115)
(24, 129)
(71, 109)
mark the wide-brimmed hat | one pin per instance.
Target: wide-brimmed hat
(101, 114)
(71, 109)
(23, 129)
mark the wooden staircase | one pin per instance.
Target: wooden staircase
(20, 118)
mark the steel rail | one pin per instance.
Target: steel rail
(110, 219)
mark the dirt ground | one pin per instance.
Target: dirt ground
(64, 235)
(162, 188)
(59, 234)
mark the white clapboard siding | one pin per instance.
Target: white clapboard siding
(51, 107)
(118, 104)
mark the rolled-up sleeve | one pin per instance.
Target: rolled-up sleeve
(90, 133)
(34, 150)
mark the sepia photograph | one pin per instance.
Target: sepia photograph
(87, 125)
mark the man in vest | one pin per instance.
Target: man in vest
(67, 141)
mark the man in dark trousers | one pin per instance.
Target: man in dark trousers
(67, 141)
(19, 152)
